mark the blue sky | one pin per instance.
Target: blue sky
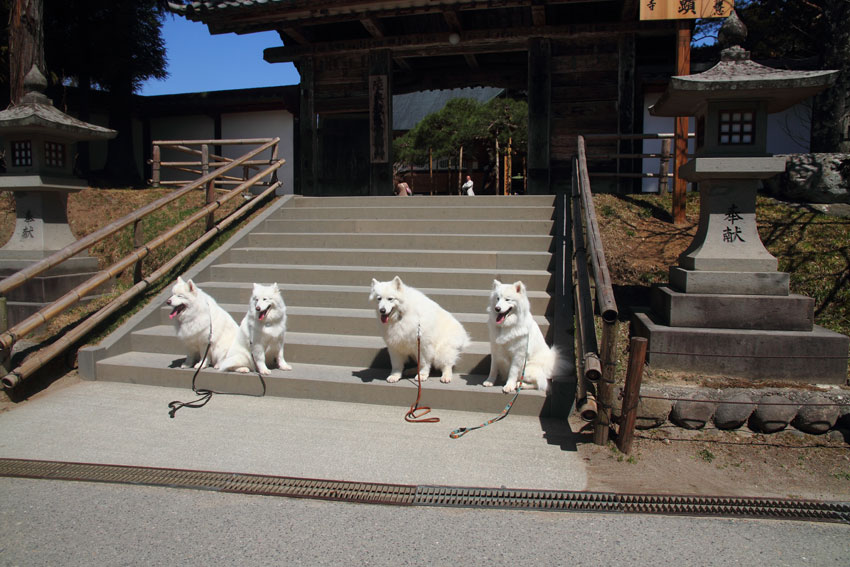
(198, 61)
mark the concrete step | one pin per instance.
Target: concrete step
(483, 259)
(457, 278)
(410, 226)
(425, 200)
(323, 253)
(306, 295)
(325, 382)
(362, 351)
(352, 321)
(424, 241)
(516, 212)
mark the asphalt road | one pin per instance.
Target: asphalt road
(45, 522)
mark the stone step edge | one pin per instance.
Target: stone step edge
(332, 383)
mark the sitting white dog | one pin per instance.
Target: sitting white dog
(406, 311)
(516, 341)
(200, 322)
(261, 334)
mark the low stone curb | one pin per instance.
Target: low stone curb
(767, 410)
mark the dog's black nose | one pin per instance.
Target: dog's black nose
(382, 310)
(498, 309)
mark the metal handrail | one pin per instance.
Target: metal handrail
(33, 363)
(597, 359)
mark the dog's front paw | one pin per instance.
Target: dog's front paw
(393, 378)
(264, 371)
(489, 382)
(243, 369)
(446, 378)
(284, 366)
(509, 388)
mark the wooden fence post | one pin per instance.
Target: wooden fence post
(5, 366)
(205, 169)
(631, 394)
(155, 161)
(664, 170)
(138, 241)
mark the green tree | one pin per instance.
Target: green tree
(114, 46)
(465, 127)
(813, 30)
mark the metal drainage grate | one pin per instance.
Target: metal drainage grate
(634, 503)
(447, 496)
(365, 493)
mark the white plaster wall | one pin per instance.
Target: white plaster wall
(265, 124)
(197, 127)
(787, 133)
(658, 125)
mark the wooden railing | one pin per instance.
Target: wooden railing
(664, 172)
(9, 337)
(596, 362)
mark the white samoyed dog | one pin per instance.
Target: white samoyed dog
(261, 334)
(516, 341)
(404, 311)
(200, 321)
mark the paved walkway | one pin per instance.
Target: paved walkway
(127, 424)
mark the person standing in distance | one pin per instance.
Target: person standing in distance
(467, 187)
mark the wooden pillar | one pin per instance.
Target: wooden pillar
(307, 131)
(539, 110)
(626, 108)
(683, 67)
(380, 123)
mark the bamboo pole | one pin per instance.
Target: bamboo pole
(664, 168)
(631, 395)
(43, 356)
(86, 242)
(605, 386)
(155, 166)
(683, 67)
(8, 338)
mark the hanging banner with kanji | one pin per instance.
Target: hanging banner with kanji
(684, 9)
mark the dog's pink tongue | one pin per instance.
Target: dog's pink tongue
(385, 317)
(173, 314)
(500, 318)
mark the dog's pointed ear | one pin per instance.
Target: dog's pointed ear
(180, 280)
(519, 287)
(275, 287)
(496, 284)
(192, 287)
(397, 283)
(256, 285)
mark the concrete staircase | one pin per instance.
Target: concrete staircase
(323, 253)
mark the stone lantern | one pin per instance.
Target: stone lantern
(38, 141)
(727, 309)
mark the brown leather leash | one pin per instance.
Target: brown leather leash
(411, 415)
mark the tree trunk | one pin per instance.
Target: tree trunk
(460, 172)
(121, 162)
(498, 177)
(26, 44)
(830, 112)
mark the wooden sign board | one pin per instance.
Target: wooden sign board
(685, 9)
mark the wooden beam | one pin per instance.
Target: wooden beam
(240, 19)
(683, 67)
(373, 26)
(294, 33)
(473, 41)
(307, 131)
(538, 15)
(539, 111)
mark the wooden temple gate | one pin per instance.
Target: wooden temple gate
(583, 64)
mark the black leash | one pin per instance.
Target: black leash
(207, 394)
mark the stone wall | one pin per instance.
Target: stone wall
(813, 178)
(768, 410)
